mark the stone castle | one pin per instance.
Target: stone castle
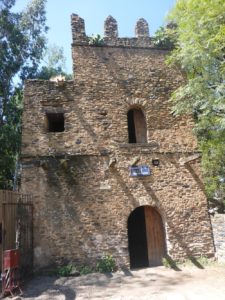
(111, 169)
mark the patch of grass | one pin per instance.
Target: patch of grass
(205, 261)
(166, 262)
(200, 262)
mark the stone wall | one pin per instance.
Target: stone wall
(83, 194)
(96, 104)
(82, 206)
(218, 225)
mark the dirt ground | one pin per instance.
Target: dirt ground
(159, 283)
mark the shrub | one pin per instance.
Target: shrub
(96, 40)
(85, 270)
(106, 264)
(64, 270)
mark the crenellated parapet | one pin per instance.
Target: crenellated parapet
(111, 37)
(142, 29)
(110, 28)
(78, 30)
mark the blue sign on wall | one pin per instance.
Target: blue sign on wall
(136, 171)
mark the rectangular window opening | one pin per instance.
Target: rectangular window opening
(131, 126)
(55, 122)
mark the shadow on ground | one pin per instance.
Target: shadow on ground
(94, 285)
(47, 287)
(159, 283)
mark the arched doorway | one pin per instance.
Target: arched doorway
(146, 237)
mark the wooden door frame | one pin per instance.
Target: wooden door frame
(163, 230)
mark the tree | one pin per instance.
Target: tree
(165, 37)
(10, 140)
(200, 53)
(22, 42)
(54, 63)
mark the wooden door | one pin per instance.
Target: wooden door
(140, 126)
(155, 236)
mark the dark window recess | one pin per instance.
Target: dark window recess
(55, 122)
(131, 126)
(137, 132)
(137, 239)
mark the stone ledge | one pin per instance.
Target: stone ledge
(124, 43)
(140, 145)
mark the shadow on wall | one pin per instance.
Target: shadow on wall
(67, 179)
(175, 232)
(188, 253)
(80, 116)
(195, 176)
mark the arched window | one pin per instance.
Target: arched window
(137, 131)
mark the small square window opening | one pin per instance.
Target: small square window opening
(55, 122)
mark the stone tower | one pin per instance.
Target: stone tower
(111, 169)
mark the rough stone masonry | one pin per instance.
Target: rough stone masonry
(81, 140)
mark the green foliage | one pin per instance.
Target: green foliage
(106, 264)
(46, 73)
(166, 262)
(200, 55)
(64, 271)
(55, 57)
(204, 261)
(96, 40)
(22, 42)
(165, 37)
(213, 162)
(54, 64)
(85, 270)
(10, 139)
(201, 261)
